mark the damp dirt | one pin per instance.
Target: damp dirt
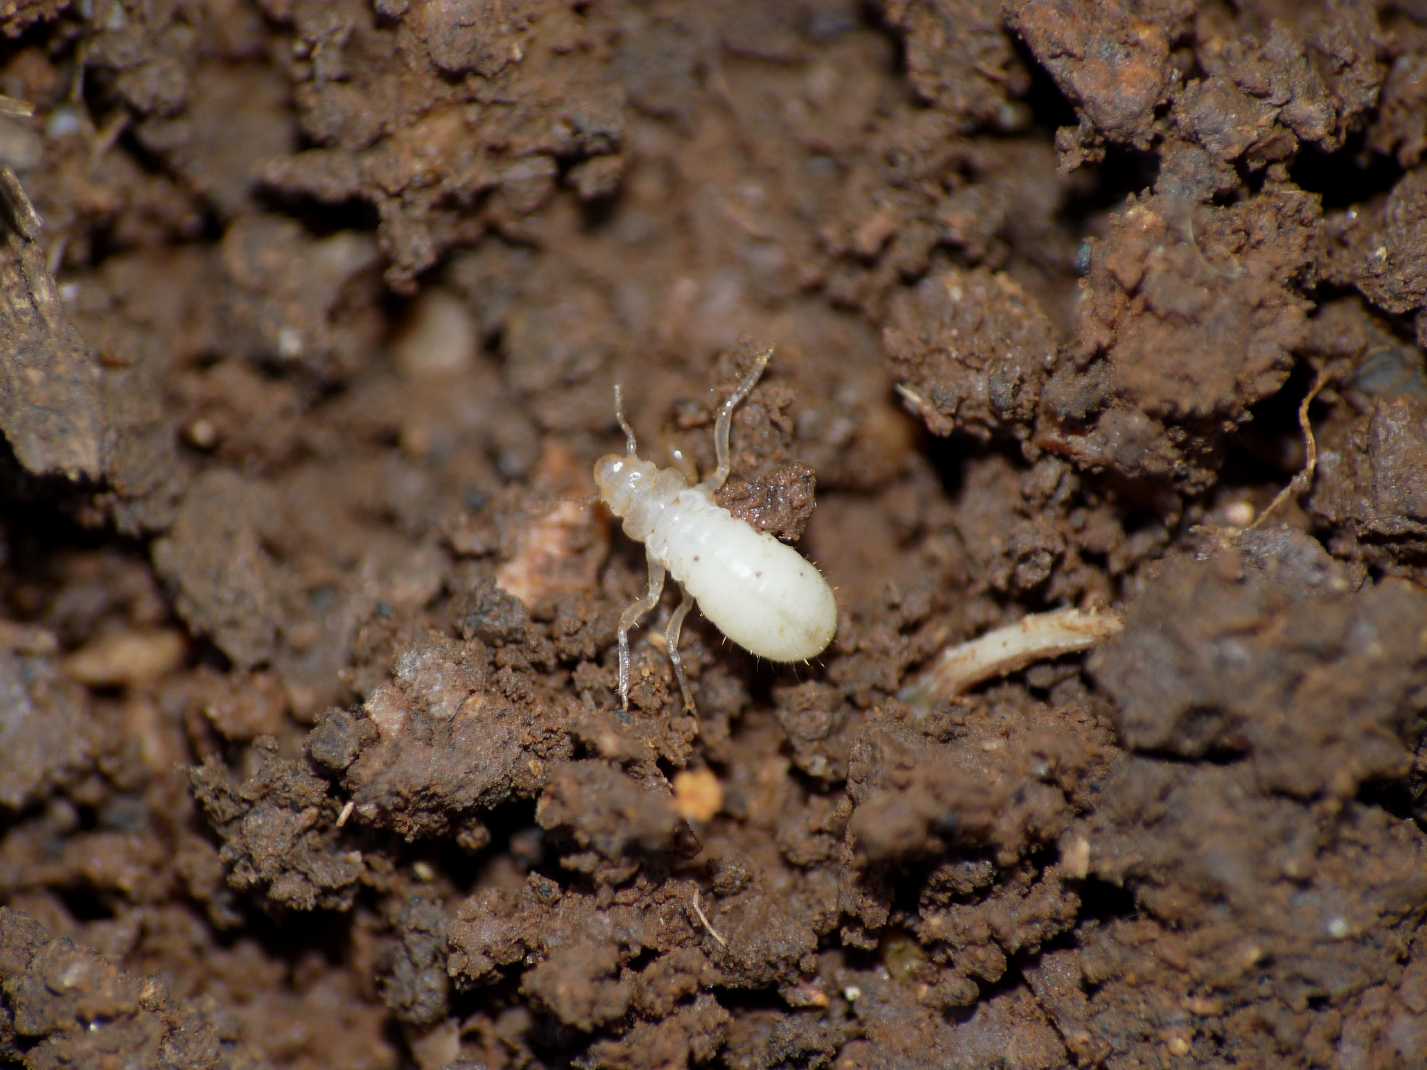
(311, 750)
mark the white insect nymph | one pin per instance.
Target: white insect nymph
(760, 593)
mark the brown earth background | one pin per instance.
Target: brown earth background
(310, 753)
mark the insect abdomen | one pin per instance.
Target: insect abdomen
(760, 593)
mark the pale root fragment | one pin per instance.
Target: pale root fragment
(1037, 637)
(128, 659)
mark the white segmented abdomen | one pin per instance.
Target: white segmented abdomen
(763, 595)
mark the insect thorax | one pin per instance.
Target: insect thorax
(637, 491)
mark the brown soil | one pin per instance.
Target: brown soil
(310, 750)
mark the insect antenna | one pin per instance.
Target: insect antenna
(631, 446)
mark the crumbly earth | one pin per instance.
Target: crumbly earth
(310, 750)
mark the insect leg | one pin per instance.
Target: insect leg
(629, 618)
(671, 640)
(725, 421)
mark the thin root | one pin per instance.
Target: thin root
(703, 918)
(1300, 483)
(1033, 638)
